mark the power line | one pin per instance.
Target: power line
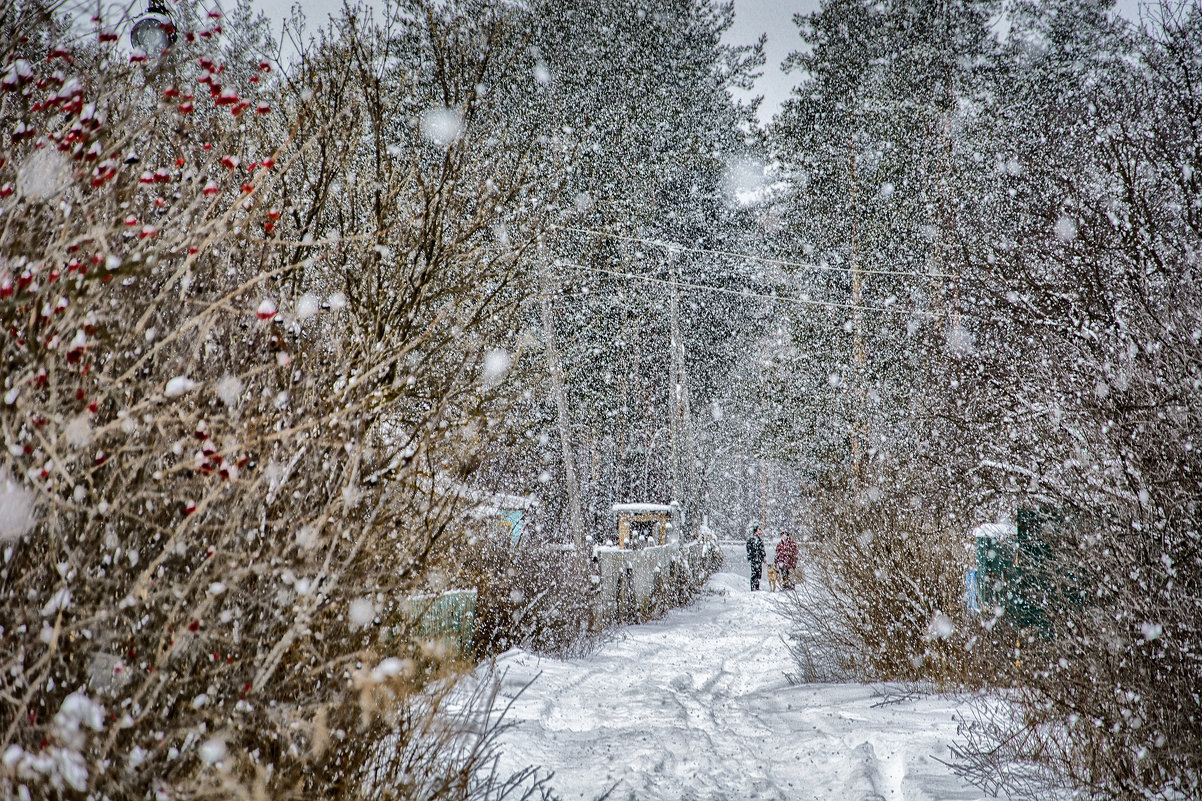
(795, 300)
(752, 295)
(674, 246)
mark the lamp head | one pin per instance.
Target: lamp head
(154, 31)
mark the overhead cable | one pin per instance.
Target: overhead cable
(755, 295)
(677, 247)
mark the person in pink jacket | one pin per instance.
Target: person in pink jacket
(786, 558)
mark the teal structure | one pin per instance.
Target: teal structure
(511, 523)
(1015, 573)
(450, 616)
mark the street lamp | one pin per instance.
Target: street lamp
(154, 31)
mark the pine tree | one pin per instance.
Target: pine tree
(642, 98)
(869, 139)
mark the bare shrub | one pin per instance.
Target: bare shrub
(443, 746)
(239, 349)
(884, 595)
(543, 596)
(681, 583)
(1102, 694)
(538, 596)
(1102, 327)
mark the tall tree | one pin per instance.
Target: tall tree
(642, 98)
(869, 142)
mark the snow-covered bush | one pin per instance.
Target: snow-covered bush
(883, 597)
(1092, 263)
(244, 323)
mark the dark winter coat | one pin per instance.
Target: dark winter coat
(755, 550)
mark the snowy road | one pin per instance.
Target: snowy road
(697, 706)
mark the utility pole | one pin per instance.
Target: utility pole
(674, 373)
(859, 405)
(559, 392)
(948, 221)
(763, 498)
(684, 478)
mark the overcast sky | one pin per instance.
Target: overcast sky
(752, 17)
(775, 18)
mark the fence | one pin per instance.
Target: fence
(450, 616)
(633, 585)
(641, 584)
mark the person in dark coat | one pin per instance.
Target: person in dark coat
(786, 558)
(755, 555)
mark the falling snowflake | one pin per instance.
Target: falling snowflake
(442, 126)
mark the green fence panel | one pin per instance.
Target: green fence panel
(1016, 575)
(451, 616)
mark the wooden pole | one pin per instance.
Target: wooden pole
(558, 390)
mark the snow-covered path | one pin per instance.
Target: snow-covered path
(697, 706)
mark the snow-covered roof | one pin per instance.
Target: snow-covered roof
(997, 531)
(486, 502)
(504, 501)
(642, 508)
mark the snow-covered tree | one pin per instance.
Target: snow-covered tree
(644, 95)
(867, 399)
